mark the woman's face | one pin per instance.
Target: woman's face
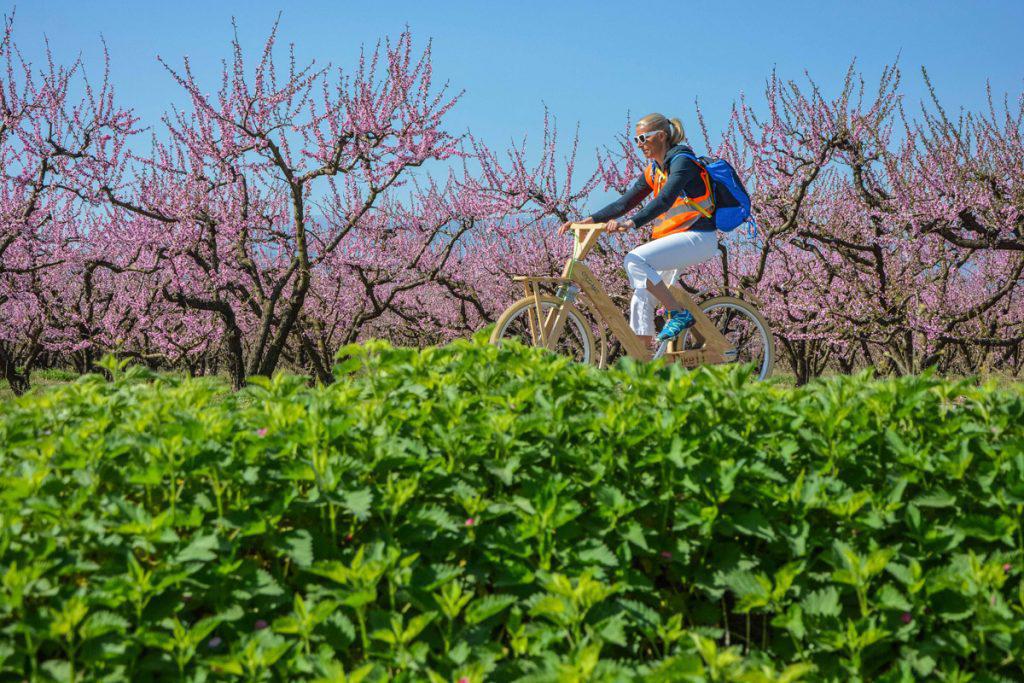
(655, 142)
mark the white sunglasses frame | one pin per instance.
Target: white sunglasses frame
(646, 136)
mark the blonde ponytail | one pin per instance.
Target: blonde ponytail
(678, 134)
(673, 127)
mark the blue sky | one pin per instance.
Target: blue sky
(589, 62)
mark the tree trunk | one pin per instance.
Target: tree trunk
(18, 381)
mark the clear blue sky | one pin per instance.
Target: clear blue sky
(590, 62)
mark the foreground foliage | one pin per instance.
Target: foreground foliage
(469, 513)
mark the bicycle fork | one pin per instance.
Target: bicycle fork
(554, 323)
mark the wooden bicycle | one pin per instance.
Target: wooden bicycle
(727, 329)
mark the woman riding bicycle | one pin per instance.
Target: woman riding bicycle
(683, 232)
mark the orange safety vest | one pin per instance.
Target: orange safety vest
(681, 216)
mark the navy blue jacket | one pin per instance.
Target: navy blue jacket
(683, 176)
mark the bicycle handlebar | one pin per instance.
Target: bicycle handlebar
(584, 237)
(587, 226)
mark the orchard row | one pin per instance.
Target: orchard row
(295, 209)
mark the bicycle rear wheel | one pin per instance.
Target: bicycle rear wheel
(742, 325)
(519, 321)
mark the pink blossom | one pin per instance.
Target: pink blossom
(470, 521)
(861, 210)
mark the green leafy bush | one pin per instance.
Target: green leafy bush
(470, 513)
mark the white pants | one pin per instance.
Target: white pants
(662, 260)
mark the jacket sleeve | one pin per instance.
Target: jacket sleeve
(624, 204)
(683, 178)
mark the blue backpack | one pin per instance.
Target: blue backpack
(732, 203)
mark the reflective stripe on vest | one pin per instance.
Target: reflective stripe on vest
(685, 211)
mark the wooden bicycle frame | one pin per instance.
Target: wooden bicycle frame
(711, 345)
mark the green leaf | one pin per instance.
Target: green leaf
(611, 499)
(635, 535)
(272, 648)
(267, 584)
(923, 664)
(753, 590)
(202, 628)
(784, 578)
(792, 620)
(935, 498)
(436, 516)
(459, 653)
(287, 625)
(952, 606)
(987, 527)
(823, 602)
(358, 503)
(613, 630)
(201, 549)
(226, 664)
(416, 625)
(890, 598)
(59, 670)
(299, 546)
(878, 560)
(486, 607)
(753, 523)
(638, 611)
(343, 626)
(505, 472)
(360, 598)
(102, 623)
(550, 606)
(595, 552)
(796, 672)
(385, 635)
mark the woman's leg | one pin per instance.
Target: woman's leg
(652, 269)
(660, 290)
(641, 315)
(644, 303)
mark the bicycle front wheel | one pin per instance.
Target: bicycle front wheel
(520, 322)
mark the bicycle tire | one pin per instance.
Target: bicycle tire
(750, 312)
(574, 318)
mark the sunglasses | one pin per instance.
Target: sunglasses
(644, 137)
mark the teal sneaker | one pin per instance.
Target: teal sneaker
(677, 322)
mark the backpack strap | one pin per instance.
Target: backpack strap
(700, 209)
(669, 161)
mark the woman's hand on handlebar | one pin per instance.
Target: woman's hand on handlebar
(615, 226)
(566, 225)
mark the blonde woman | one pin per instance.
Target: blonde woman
(683, 232)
